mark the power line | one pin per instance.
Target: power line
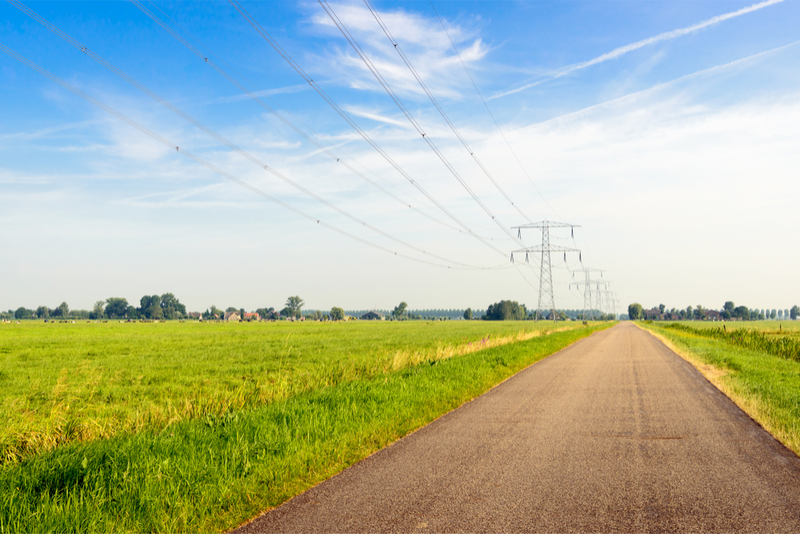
(210, 166)
(378, 76)
(435, 103)
(502, 134)
(218, 137)
(267, 37)
(326, 150)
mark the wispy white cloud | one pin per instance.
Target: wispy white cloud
(622, 50)
(374, 115)
(47, 132)
(422, 39)
(650, 90)
(178, 198)
(265, 92)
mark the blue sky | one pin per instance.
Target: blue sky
(667, 130)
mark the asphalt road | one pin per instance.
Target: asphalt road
(613, 434)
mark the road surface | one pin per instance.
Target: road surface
(613, 434)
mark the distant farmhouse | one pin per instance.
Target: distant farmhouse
(232, 316)
(655, 313)
(251, 316)
(195, 315)
(372, 316)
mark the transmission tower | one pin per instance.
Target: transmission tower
(605, 299)
(546, 296)
(588, 311)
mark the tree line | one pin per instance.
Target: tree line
(729, 312)
(165, 306)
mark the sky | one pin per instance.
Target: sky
(665, 131)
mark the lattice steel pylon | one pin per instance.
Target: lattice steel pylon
(546, 295)
(588, 311)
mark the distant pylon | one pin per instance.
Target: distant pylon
(546, 296)
(588, 311)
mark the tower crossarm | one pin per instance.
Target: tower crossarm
(547, 224)
(551, 248)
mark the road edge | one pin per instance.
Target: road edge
(752, 406)
(264, 512)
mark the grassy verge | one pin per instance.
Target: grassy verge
(213, 473)
(61, 383)
(765, 385)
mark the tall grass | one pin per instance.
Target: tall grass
(61, 383)
(212, 473)
(781, 345)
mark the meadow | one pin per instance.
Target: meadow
(756, 364)
(189, 426)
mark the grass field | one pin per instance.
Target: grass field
(756, 364)
(65, 382)
(184, 426)
(772, 327)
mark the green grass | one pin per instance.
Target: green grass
(211, 473)
(70, 382)
(770, 327)
(758, 371)
(784, 345)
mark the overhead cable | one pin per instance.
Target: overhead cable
(378, 76)
(322, 148)
(502, 134)
(217, 136)
(228, 176)
(436, 104)
(267, 37)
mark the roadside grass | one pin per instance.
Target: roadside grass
(213, 473)
(775, 327)
(763, 384)
(61, 383)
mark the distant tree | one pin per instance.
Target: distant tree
(171, 307)
(729, 306)
(97, 310)
(399, 310)
(794, 312)
(741, 312)
(23, 313)
(42, 312)
(230, 309)
(661, 308)
(132, 313)
(115, 307)
(635, 311)
(286, 312)
(505, 310)
(785, 314)
(241, 313)
(149, 307)
(61, 311)
(337, 314)
(468, 314)
(295, 305)
(699, 313)
(726, 315)
(689, 312)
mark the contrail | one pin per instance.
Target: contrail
(650, 90)
(617, 52)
